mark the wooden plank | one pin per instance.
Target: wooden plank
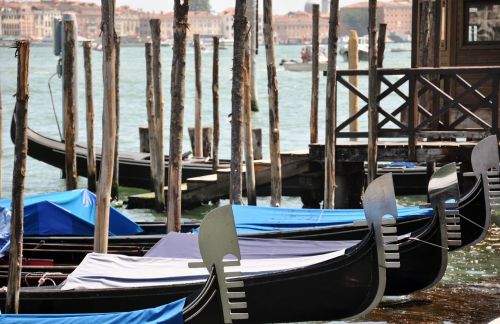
(89, 99)
(198, 135)
(313, 119)
(215, 105)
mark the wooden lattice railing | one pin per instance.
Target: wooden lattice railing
(433, 103)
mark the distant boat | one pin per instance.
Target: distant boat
(225, 43)
(306, 61)
(362, 49)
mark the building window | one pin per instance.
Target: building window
(482, 22)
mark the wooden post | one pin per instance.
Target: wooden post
(372, 92)
(91, 163)
(272, 89)
(353, 54)
(20, 152)
(206, 142)
(1, 141)
(101, 231)
(381, 47)
(436, 49)
(69, 103)
(152, 135)
(240, 29)
(215, 103)
(257, 143)
(313, 123)
(156, 146)
(248, 136)
(143, 139)
(253, 17)
(198, 136)
(177, 94)
(331, 107)
(115, 186)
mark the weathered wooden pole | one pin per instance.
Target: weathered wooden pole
(272, 89)
(247, 108)
(240, 26)
(177, 94)
(198, 128)
(372, 91)
(101, 231)
(331, 107)
(156, 146)
(313, 123)
(69, 102)
(215, 103)
(253, 18)
(152, 141)
(353, 54)
(1, 141)
(382, 28)
(20, 152)
(115, 186)
(91, 163)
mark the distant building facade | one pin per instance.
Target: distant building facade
(397, 14)
(296, 27)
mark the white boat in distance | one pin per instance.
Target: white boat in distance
(306, 63)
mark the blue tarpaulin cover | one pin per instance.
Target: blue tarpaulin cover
(170, 313)
(253, 219)
(62, 213)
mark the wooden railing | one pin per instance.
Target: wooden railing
(437, 103)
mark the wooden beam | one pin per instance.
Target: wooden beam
(353, 53)
(372, 92)
(253, 19)
(177, 94)
(215, 104)
(89, 98)
(331, 107)
(101, 231)
(115, 186)
(248, 136)
(20, 153)
(272, 89)
(313, 123)
(198, 128)
(156, 146)
(69, 102)
(240, 29)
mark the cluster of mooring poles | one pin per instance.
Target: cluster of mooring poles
(243, 100)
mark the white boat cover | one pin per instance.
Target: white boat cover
(99, 271)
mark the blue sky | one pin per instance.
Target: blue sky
(279, 6)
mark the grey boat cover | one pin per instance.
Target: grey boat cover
(100, 271)
(185, 246)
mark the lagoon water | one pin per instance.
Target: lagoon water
(470, 291)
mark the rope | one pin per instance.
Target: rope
(472, 222)
(429, 243)
(53, 106)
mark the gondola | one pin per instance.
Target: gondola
(473, 215)
(134, 168)
(337, 285)
(209, 304)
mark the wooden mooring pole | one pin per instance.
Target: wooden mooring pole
(198, 127)
(150, 103)
(115, 186)
(274, 121)
(353, 54)
(156, 146)
(313, 123)
(215, 104)
(253, 18)
(101, 231)
(69, 102)
(177, 94)
(20, 153)
(91, 162)
(1, 141)
(248, 136)
(331, 107)
(240, 29)
(372, 92)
